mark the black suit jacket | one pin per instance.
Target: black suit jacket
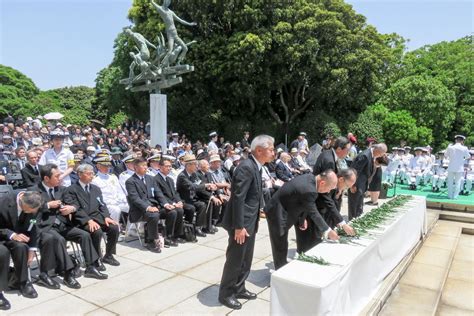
(141, 196)
(328, 202)
(188, 186)
(168, 189)
(283, 173)
(30, 176)
(364, 165)
(293, 203)
(246, 198)
(205, 178)
(47, 217)
(88, 205)
(325, 161)
(11, 223)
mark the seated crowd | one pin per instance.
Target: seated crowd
(87, 185)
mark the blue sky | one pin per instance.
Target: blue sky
(61, 43)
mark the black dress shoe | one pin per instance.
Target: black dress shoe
(46, 281)
(153, 247)
(170, 242)
(70, 281)
(214, 229)
(110, 260)
(246, 295)
(92, 272)
(99, 266)
(4, 303)
(180, 240)
(208, 231)
(230, 302)
(27, 290)
(200, 233)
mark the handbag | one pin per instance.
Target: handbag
(189, 232)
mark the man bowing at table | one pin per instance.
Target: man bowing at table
(294, 204)
(241, 222)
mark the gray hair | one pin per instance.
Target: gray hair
(84, 168)
(32, 198)
(380, 147)
(347, 173)
(263, 141)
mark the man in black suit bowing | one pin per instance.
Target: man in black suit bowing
(364, 165)
(147, 203)
(294, 204)
(18, 234)
(92, 214)
(174, 229)
(31, 172)
(241, 222)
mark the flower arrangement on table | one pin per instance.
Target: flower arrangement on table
(362, 225)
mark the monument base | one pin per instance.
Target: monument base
(158, 120)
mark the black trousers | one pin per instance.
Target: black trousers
(173, 221)
(279, 244)
(189, 211)
(4, 267)
(356, 203)
(307, 239)
(53, 252)
(83, 238)
(19, 255)
(201, 217)
(237, 265)
(112, 232)
(152, 220)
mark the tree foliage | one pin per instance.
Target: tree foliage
(265, 61)
(16, 90)
(428, 101)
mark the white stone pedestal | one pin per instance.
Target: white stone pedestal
(158, 120)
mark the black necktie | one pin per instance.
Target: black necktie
(87, 188)
(51, 195)
(143, 180)
(36, 169)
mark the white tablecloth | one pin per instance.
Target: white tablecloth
(349, 283)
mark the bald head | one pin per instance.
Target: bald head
(327, 181)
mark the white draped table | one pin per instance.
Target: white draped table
(347, 285)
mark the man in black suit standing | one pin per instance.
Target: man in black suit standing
(174, 229)
(31, 172)
(53, 222)
(241, 222)
(18, 234)
(147, 203)
(92, 214)
(364, 165)
(292, 205)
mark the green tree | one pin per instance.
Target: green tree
(427, 99)
(16, 90)
(452, 64)
(257, 60)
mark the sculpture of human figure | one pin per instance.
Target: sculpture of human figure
(145, 69)
(168, 17)
(142, 44)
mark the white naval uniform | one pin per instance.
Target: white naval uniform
(457, 155)
(62, 159)
(113, 194)
(124, 177)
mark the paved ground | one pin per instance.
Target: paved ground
(182, 280)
